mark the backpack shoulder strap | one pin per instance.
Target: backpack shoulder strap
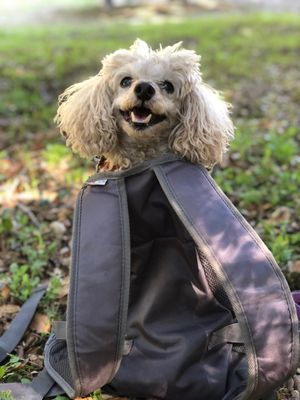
(245, 268)
(99, 291)
(40, 387)
(42, 384)
(13, 335)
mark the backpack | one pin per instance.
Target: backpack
(172, 296)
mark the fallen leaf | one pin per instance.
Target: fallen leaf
(294, 266)
(110, 397)
(2, 266)
(83, 398)
(8, 309)
(281, 214)
(64, 288)
(31, 340)
(41, 323)
(5, 292)
(266, 206)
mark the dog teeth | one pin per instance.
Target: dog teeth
(140, 120)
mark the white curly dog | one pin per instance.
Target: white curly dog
(145, 103)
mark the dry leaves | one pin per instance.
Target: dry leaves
(294, 266)
(41, 323)
(103, 396)
(281, 214)
(5, 291)
(8, 310)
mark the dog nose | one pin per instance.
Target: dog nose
(144, 91)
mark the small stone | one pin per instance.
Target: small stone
(65, 262)
(290, 384)
(297, 382)
(68, 223)
(295, 395)
(64, 251)
(235, 156)
(58, 228)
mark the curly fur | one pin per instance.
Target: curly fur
(196, 122)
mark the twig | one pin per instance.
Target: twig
(30, 214)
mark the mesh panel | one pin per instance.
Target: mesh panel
(239, 348)
(214, 282)
(59, 361)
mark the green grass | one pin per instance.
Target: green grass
(253, 59)
(36, 64)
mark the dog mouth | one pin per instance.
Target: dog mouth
(141, 117)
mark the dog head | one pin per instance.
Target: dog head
(148, 101)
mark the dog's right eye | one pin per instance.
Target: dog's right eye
(126, 82)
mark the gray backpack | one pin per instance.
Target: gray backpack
(173, 295)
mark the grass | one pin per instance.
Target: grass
(253, 59)
(36, 64)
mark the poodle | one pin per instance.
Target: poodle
(142, 104)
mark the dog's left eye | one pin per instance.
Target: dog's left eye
(126, 82)
(167, 86)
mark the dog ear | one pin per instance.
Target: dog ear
(85, 118)
(205, 128)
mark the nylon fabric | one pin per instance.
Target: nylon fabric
(230, 244)
(162, 263)
(20, 391)
(228, 334)
(40, 386)
(57, 364)
(13, 335)
(59, 328)
(99, 290)
(172, 311)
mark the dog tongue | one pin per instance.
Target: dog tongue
(140, 115)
